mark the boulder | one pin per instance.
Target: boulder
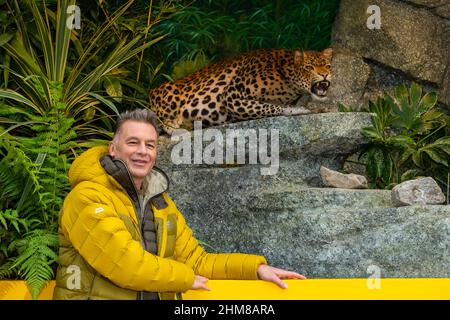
(323, 234)
(411, 45)
(303, 144)
(437, 7)
(320, 232)
(417, 191)
(410, 39)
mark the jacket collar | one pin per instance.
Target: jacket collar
(155, 183)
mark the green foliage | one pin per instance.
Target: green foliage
(32, 195)
(130, 82)
(344, 108)
(36, 253)
(186, 67)
(225, 29)
(58, 97)
(410, 138)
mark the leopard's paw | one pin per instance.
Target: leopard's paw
(290, 111)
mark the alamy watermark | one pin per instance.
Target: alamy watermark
(74, 280)
(74, 19)
(374, 20)
(235, 146)
(374, 280)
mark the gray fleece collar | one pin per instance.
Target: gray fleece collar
(156, 182)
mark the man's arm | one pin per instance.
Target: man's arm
(225, 266)
(213, 265)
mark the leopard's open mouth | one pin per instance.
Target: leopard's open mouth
(320, 88)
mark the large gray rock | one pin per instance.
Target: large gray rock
(411, 45)
(410, 39)
(301, 141)
(304, 144)
(437, 7)
(321, 232)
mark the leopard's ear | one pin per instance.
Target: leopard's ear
(327, 53)
(299, 57)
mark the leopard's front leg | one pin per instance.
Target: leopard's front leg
(291, 111)
(241, 108)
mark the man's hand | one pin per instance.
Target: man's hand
(200, 283)
(275, 275)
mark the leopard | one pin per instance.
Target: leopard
(256, 84)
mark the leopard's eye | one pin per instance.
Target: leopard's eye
(309, 67)
(328, 66)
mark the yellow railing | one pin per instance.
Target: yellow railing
(311, 289)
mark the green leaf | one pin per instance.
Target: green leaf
(442, 144)
(10, 94)
(406, 155)
(113, 88)
(390, 104)
(16, 225)
(401, 92)
(415, 94)
(410, 174)
(105, 101)
(417, 158)
(437, 156)
(5, 38)
(428, 101)
(372, 133)
(400, 141)
(433, 115)
(3, 221)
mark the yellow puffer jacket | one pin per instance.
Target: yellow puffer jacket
(102, 254)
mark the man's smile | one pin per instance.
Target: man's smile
(139, 162)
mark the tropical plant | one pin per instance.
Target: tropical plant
(409, 138)
(132, 79)
(53, 107)
(32, 192)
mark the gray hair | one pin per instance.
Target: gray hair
(140, 115)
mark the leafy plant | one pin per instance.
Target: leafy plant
(185, 67)
(54, 106)
(36, 255)
(409, 138)
(129, 82)
(345, 108)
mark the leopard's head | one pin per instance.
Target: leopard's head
(314, 71)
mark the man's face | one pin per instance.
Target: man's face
(135, 144)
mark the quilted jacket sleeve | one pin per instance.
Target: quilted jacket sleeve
(213, 265)
(100, 236)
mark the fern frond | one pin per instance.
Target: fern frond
(10, 217)
(37, 252)
(7, 270)
(15, 169)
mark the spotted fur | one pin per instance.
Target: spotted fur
(257, 84)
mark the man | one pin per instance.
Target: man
(122, 237)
